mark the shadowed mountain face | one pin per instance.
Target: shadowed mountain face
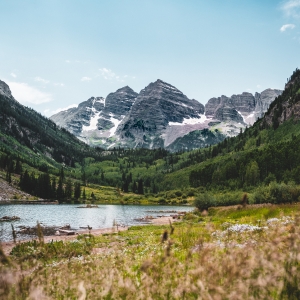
(155, 108)
(162, 116)
(29, 135)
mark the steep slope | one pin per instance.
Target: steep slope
(264, 153)
(162, 116)
(158, 108)
(286, 106)
(36, 139)
(80, 117)
(239, 111)
(95, 121)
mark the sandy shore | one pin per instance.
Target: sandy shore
(7, 246)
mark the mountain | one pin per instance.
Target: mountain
(262, 153)
(156, 109)
(37, 140)
(265, 156)
(162, 116)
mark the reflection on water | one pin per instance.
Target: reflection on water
(59, 215)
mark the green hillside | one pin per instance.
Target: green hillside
(264, 157)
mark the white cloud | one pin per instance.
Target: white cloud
(13, 75)
(25, 94)
(108, 74)
(291, 8)
(287, 26)
(39, 79)
(86, 79)
(53, 112)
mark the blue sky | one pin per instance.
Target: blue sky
(57, 53)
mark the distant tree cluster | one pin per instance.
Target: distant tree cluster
(45, 187)
(10, 166)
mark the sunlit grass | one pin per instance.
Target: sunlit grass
(229, 253)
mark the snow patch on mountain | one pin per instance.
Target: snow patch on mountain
(116, 123)
(93, 122)
(190, 121)
(102, 101)
(248, 119)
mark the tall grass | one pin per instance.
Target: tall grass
(227, 259)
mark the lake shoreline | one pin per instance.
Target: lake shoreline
(8, 246)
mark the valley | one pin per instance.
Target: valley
(239, 194)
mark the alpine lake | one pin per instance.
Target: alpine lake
(100, 217)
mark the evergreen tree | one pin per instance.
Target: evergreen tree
(60, 190)
(140, 188)
(18, 168)
(77, 190)
(8, 176)
(53, 188)
(68, 189)
(134, 187)
(62, 174)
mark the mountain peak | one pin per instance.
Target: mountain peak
(162, 83)
(5, 90)
(126, 88)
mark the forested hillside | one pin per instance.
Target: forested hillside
(35, 152)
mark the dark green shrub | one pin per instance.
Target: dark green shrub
(178, 193)
(204, 201)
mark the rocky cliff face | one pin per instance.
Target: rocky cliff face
(155, 109)
(162, 116)
(244, 108)
(239, 111)
(95, 121)
(77, 119)
(5, 90)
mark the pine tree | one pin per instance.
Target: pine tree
(140, 189)
(18, 168)
(68, 189)
(60, 190)
(53, 188)
(8, 176)
(77, 190)
(134, 187)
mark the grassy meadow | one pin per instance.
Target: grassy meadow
(234, 252)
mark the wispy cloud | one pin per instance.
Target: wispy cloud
(85, 78)
(13, 75)
(49, 112)
(39, 79)
(287, 26)
(291, 8)
(27, 94)
(108, 74)
(58, 84)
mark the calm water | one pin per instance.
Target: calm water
(58, 215)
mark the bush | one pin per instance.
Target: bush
(230, 198)
(190, 193)
(204, 201)
(162, 201)
(178, 193)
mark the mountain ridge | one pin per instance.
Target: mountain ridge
(160, 114)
